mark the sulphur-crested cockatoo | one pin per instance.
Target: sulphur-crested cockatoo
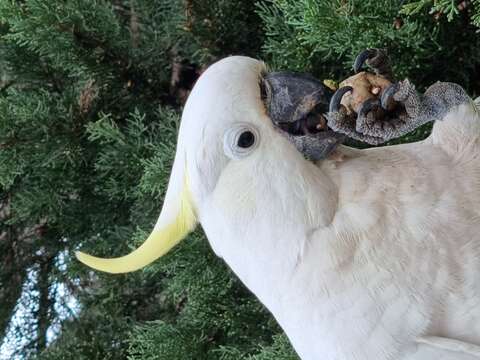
(376, 256)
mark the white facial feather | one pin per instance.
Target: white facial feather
(357, 259)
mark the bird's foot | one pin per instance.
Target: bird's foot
(385, 112)
(394, 114)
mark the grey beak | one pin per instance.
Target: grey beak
(296, 104)
(290, 97)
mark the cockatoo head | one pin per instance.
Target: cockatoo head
(236, 173)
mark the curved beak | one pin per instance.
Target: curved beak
(291, 97)
(177, 219)
(297, 104)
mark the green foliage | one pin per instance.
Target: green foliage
(88, 123)
(193, 277)
(236, 22)
(450, 9)
(90, 102)
(324, 37)
(475, 16)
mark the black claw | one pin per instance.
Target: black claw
(362, 57)
(337, 98)
(387, 96)
(368, 105)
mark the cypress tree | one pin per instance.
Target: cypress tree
(91, 94)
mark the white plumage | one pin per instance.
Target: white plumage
(375, 256)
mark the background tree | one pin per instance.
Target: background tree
(90, 97)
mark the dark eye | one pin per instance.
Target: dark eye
(240, 140)
(246, 139)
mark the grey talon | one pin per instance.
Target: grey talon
(368, 105)
(377, 60)
(337, 98)
(362, 57)
(387, 100)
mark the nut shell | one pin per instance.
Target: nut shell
(365, 86)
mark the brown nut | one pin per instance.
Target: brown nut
(365, 86)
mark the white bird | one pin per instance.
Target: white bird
(373, 257)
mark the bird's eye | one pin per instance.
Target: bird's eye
(246, 139)
(240, 140)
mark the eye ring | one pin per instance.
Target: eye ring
(240, 140)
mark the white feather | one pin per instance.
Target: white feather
(459, 347)
(361, 259)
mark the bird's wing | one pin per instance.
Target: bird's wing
(463, 349)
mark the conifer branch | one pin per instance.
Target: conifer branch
(5, 85)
